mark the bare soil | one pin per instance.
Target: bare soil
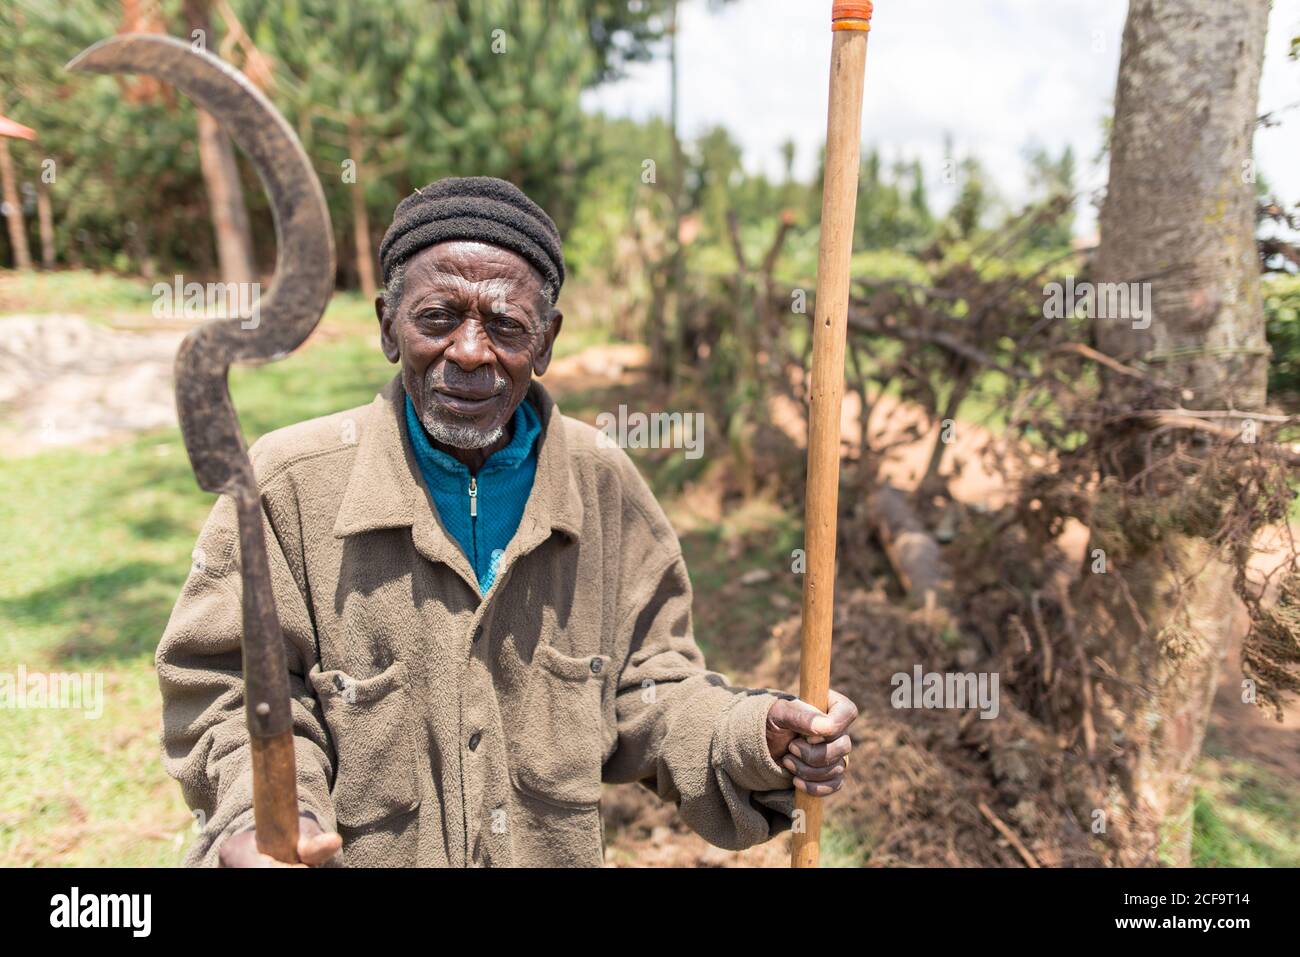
(926, 788)
(68, 382)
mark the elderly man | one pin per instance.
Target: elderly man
(486, 613)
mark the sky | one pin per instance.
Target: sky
(997, 76)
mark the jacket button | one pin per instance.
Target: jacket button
(478, 632)
(474, 739)
(596, 665)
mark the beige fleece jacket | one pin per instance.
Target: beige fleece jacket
(439, 727)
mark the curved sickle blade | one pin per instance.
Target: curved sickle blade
(304, 279)
(304, 267)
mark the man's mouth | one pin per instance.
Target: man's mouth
(465, 403)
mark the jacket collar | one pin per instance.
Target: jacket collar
(385, 488)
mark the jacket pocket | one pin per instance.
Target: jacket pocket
(370, 723)
(556, 751)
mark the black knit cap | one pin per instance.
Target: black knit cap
(480, 208)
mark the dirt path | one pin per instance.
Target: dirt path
(67, 382)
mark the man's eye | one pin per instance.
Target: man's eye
(507, 325)
(439, 317)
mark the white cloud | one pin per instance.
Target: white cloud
(995, 75)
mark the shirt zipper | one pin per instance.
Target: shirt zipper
(473, 524)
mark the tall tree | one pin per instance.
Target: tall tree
(1051, 180)
(230, 225)
(1179, 214)
(973, 201)
(666, 313)
(389, 96)
(339, 75)
(45, 220)
(13, 207)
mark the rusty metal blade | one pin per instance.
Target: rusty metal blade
(304, 269)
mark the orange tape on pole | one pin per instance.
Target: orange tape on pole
(851, 15)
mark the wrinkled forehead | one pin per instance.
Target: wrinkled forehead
(473, 268)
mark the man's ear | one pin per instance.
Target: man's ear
(543, 359)
(387, 336)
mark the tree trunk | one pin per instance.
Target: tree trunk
(45, 218)
(1179, 215)
(673, 323)
(1180, 207)
(14, 219)
(221, 176)
(361, 219)
(226, 197)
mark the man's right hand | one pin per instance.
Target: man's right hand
(315, 847)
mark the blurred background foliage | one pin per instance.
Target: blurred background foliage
(410, 91)
(388, 97)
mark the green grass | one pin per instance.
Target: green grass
(729, 617)
(1244, 817)
(841, 847)
(94, 295)
(94, 550)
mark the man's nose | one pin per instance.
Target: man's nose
(469, 346)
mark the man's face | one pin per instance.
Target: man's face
(470, 332)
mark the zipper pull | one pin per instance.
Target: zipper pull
(473, 497)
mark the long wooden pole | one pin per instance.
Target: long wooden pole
(851, 22)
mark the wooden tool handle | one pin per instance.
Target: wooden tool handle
(850, 22)
(275, 796)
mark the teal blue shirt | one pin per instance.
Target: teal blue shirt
(482, 512)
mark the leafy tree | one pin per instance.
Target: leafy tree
(1051, 179)
(125, 184)
(338, 70)
(893, 208)
(973, 201)
(713, 173)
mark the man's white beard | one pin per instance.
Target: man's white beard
(455, 434)
(459, 436)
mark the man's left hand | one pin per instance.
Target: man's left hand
(812, 745)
